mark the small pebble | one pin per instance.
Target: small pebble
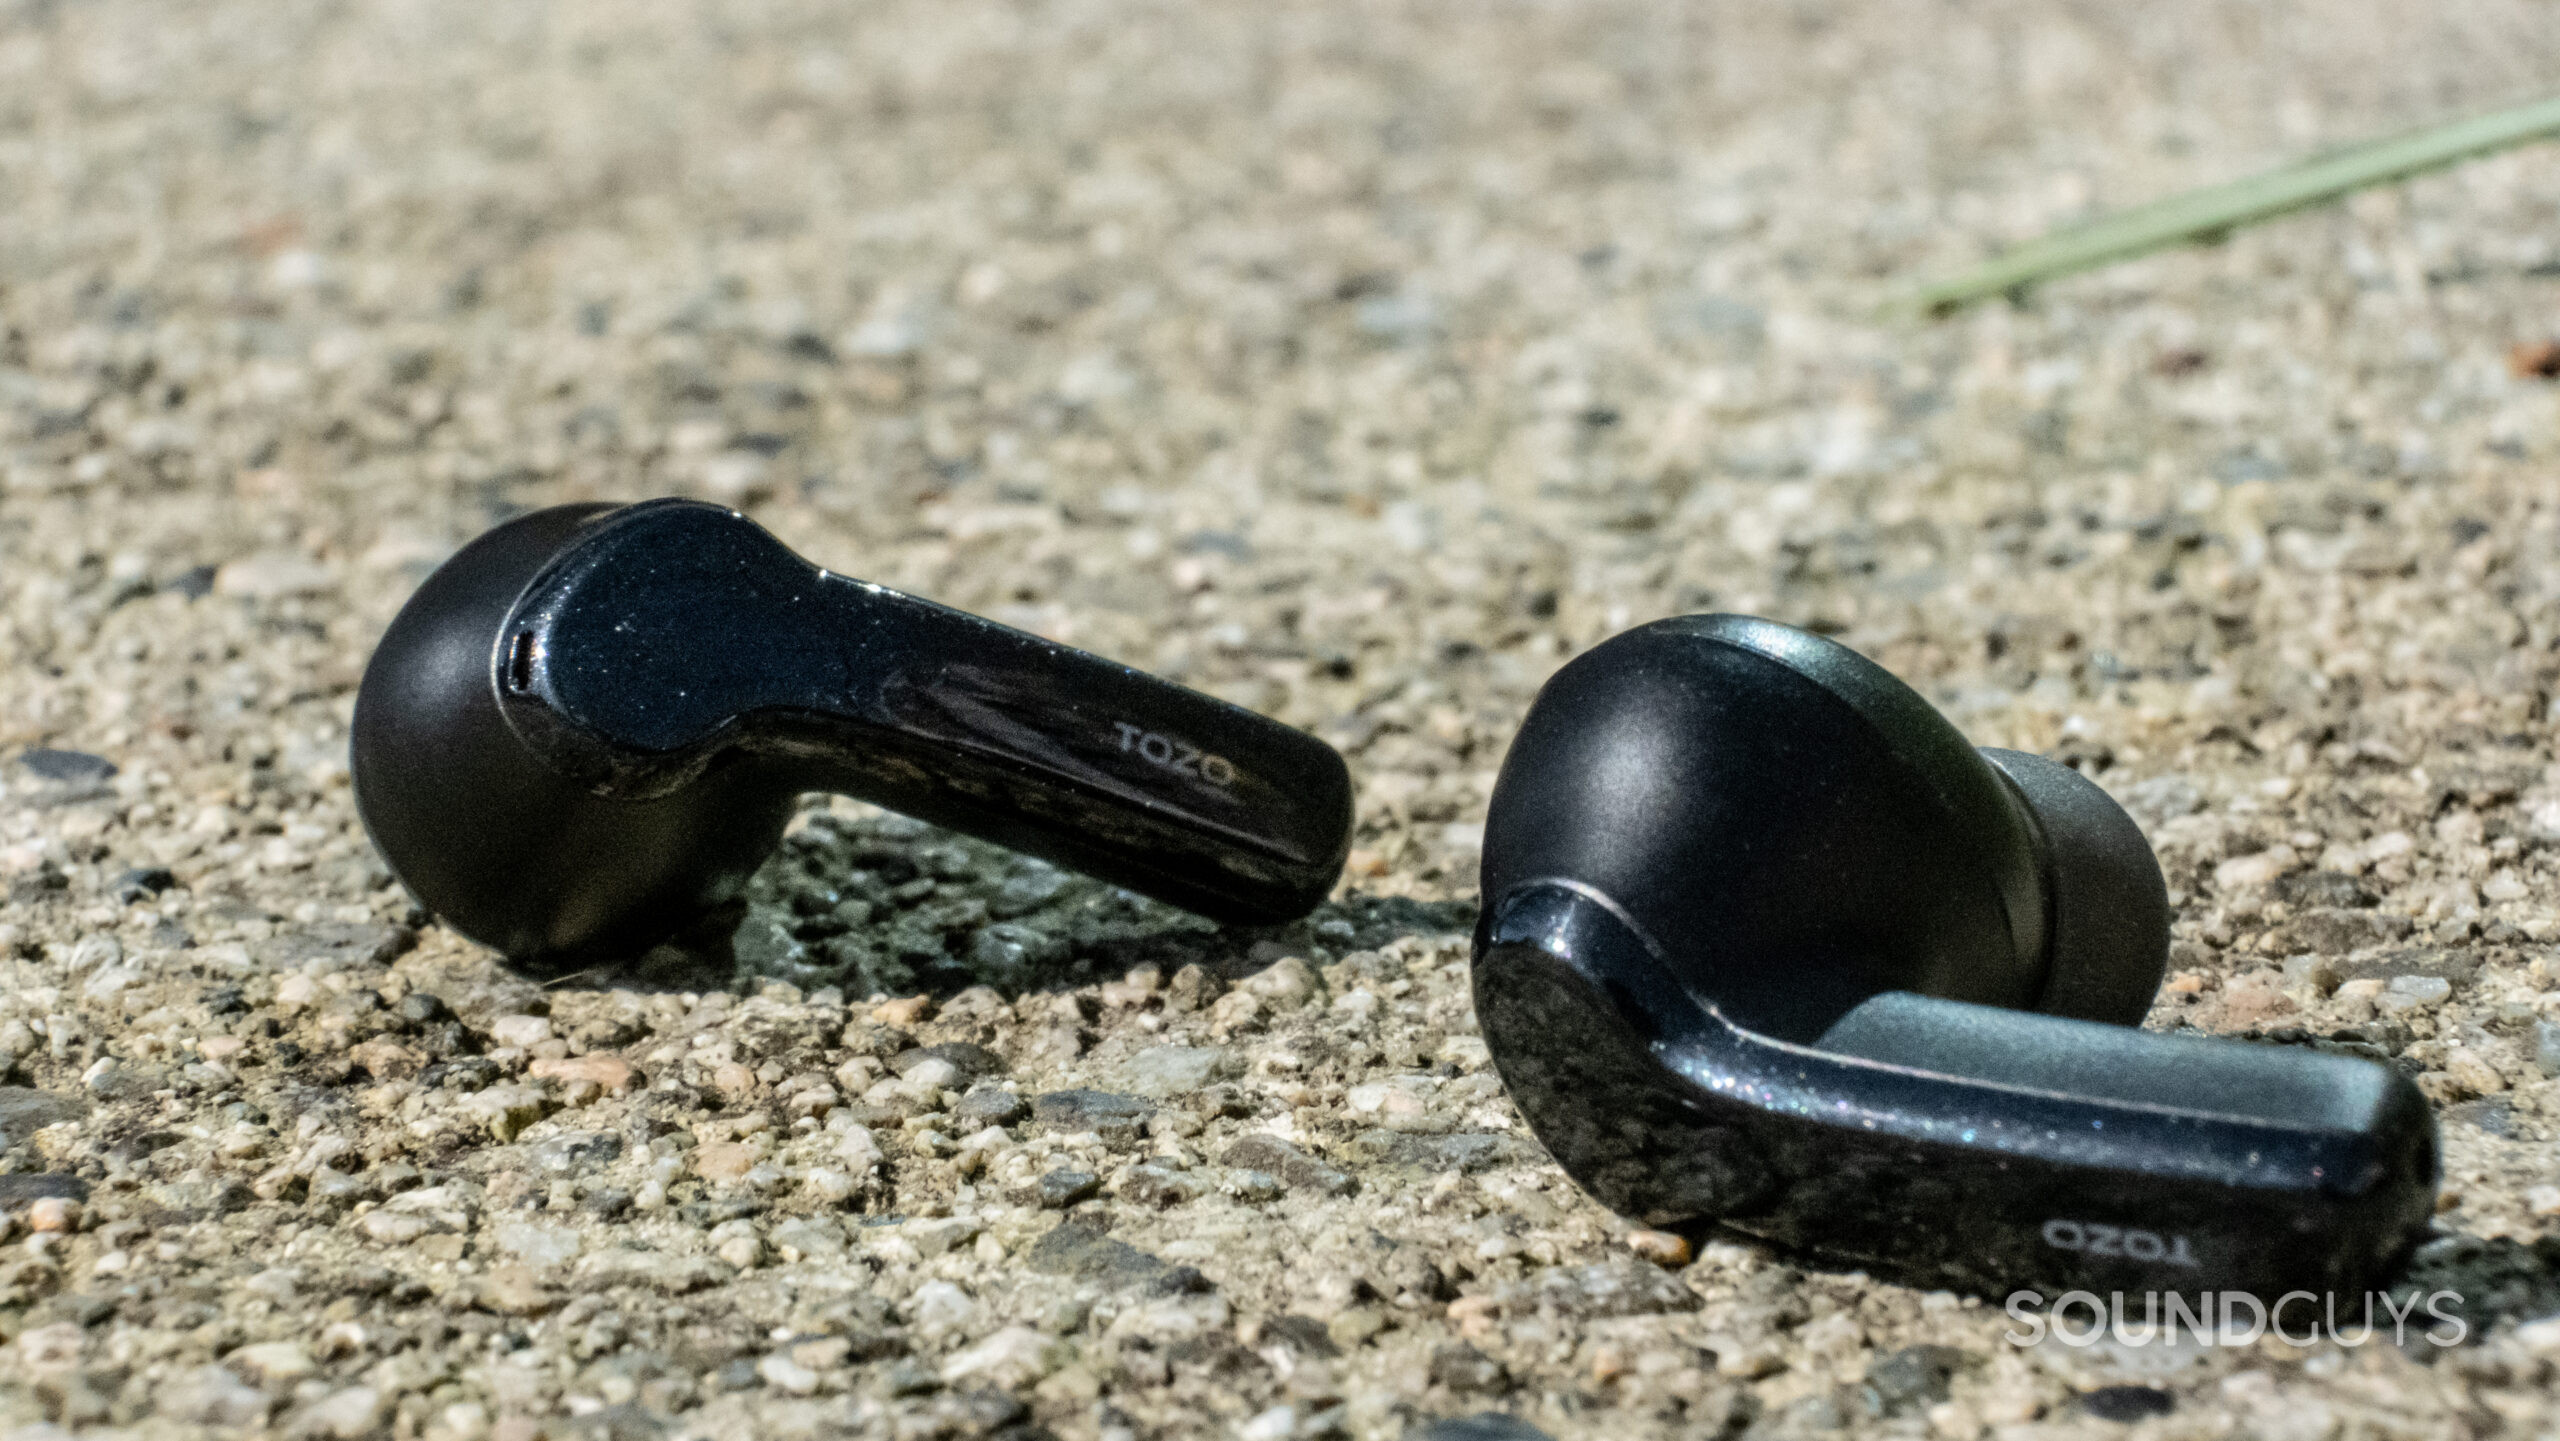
(606, 1074)
(2413, 993)
(786, 1375)
(1063, 1188)
(2127, 1404)
(908, 1012)
(1662, 1248)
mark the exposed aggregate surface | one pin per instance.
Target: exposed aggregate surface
(1358, 363)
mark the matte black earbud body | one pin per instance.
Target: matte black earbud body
(1765, 942)
(589, 725)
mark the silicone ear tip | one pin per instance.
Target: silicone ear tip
(2110, 917)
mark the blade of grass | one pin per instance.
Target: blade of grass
(2217, 209)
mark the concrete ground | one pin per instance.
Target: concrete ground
(1358, 362)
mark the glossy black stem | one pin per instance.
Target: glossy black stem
(1950, 1144)
(674, 637)
(1767, 943)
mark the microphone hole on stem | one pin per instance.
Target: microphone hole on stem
(520, 662)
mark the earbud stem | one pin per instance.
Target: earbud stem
(1951, 1143)
(680, 636)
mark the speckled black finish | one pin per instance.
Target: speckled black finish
(1765, 943)
(589, 725)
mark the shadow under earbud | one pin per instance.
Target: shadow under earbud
(884, 905)
(2491, 1280)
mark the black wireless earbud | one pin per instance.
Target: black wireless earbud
(1766, 943)
(589, 725)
